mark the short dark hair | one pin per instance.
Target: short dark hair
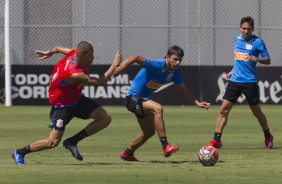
(175, 49)
(84, 47)
(248, 19)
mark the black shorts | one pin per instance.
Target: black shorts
(135, 104)
(235, 89)
(61, 116)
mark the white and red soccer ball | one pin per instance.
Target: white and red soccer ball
(208, 155)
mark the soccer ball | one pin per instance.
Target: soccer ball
(208, 155)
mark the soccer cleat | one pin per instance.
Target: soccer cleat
(268, 142)
(73, 149)
(216, 144)
(126, 157)
(169, 149)
(19, 159)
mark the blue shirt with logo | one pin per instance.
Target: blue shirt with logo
(152, 76)
(244, 70)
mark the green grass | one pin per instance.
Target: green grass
(242, 159)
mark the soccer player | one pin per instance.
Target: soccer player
(149, 113)
(242, 79)
(65, 96)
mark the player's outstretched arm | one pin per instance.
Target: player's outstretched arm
(264, 60)
(129, 61)
(46, 54)
(189, 96)
(107, 75)
(86, 80)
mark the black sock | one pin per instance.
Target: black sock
(164, 141)
(267, 133)
(78, 137)
(128, 152)
(217, 136)
(25, 150)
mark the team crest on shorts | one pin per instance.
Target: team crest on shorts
(60, 123)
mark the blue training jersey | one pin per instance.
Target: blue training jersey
(244, 70)
(152, 76)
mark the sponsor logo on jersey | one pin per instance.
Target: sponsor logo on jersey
(241, 56)
(153, 85)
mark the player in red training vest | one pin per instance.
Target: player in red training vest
(65, 96)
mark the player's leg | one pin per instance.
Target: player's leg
(48, 143)
(101, 120)
(51, 142)
(222, 118)
(230, 97)
(135, 105)
(268, 141)
(260, 116)
(251, 91)
(85, 109)
(153, 108)
(221, 122)
(148, 130)
(59, 119)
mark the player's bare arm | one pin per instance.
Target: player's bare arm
(94, 81)
(265, 60)
(46, 54)
(188, 95)
(129, 61)
(107, 75)
(84, 79)
(228, 75)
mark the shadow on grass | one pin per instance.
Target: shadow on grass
(124, 163)
(254, 148)
(139, 162)
(171, 162)
(104, 163)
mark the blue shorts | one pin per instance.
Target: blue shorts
(61, 116)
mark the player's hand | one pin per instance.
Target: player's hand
(253, 58)
(228, 75)
(117, 59)
(43, 54)
(116, 63)
(205, 105)
(117, 71)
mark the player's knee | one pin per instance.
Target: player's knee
(223, 112)
(158, 109)
(106, 120)
(52, 143)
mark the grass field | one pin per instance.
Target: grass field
(242, 159)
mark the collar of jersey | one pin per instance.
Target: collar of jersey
(74, 60)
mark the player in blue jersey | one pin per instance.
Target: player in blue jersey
(149, 113)
(248, 51)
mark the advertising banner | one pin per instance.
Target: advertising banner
(30, 85)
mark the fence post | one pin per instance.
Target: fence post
(8, 101)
